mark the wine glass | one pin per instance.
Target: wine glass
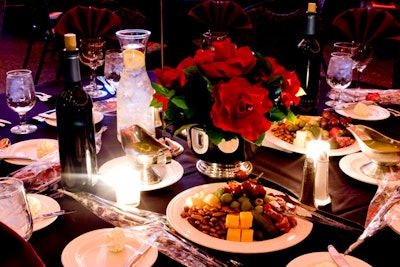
(348, 47)
(91, 54)
(339, 74)
(113, 66)
(20, 97)
(364, 55)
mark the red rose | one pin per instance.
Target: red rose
(290, 87)
(170, 78)
(240, 107)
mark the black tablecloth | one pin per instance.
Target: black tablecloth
(282, 171)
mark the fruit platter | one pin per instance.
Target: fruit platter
(331, 127)
(237, 217)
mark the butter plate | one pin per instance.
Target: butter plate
(47, 204)
(323, 259)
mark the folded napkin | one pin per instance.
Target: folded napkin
(16, 251)
(220, 16)
(89, 22)
(365, 25)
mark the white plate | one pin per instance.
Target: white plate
(26, 148)
(97, 117)
(182, 226)
(319, 258)
(270, 137)
(375, 113)
(47, 205)
(170, 173)
(351, 165)
(90, 249)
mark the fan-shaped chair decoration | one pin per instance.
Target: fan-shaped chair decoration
(365, 25)
(220, 16)
(89, 22)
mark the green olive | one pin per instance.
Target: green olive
(226, 198)
(259, 209)
(218, 193)
(258, 201)
(234, 205)
(245, 205)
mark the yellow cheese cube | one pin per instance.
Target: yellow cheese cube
(233, 234)
(247, 235)
(232, 221)
(246, 219)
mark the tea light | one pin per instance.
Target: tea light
(318, 150)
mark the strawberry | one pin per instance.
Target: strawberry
(336, 131)
(373, 97)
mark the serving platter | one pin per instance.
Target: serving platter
(183, 227)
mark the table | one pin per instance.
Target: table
(282, 171)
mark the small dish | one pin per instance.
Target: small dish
(47, 204)
(376, 113)
(97, 117)
(170, 173)
(321, 259)
(90, 249)
(27, 148)
(351, 165)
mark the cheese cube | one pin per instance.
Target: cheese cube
(246, 219)
(247, 235)
(233, 234)
(232, 221)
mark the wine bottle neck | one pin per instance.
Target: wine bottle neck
(310, 24)
(72, 71)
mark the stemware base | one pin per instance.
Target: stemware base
(95, 92)
(223, 171)
(24, 129)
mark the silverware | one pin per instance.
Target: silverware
(3, 156)
(394, 112)
(110, 88)
(337, 257)
(5, 121)
(141, 250)
(44, 115)
(53, 214)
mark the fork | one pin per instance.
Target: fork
(394, 112)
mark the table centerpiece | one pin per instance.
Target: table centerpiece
(225, 98)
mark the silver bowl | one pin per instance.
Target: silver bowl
(384, 152)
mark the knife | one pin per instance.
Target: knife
(337, 257)
(141, 250)
(52, 214)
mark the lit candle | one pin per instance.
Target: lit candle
(318, 150)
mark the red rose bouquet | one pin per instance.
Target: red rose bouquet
(227, 91)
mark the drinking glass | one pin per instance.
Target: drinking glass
(91, 54)
(339, 74)
(113, 66)
(20, 97)
(347, 47)
(14, 208)
(364, 55)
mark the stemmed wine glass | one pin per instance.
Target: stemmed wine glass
(363, 56)
(91, 54)
(20, 96)
(339, 74)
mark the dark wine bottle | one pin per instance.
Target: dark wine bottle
(309, 64)
(75, 129)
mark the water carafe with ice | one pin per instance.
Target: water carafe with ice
(134, 92)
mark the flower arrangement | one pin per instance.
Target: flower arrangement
(228, 91)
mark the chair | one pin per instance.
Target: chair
(88, 22)
(42, 23)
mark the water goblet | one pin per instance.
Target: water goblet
(347, 47)
(14, 207)
(20, 97)
(113, 66)
(91, 54)
(339, 74)
(363, 55)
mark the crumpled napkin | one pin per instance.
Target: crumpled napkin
(89, 22)
(16, 251)
(220, 16)
(365, 25)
